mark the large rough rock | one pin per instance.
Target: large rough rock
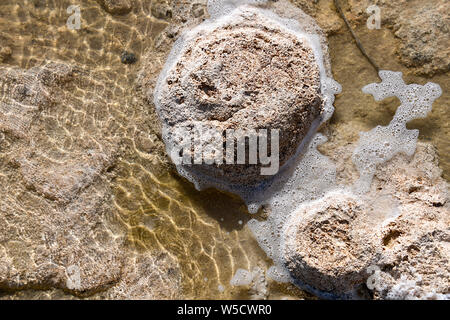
(393, 240)
(25, 94)
(148, 277)
(326, 246)
(246, 74)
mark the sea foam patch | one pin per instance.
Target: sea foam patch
(381, 143)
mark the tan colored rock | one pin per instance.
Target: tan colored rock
(248, 74)
(416, 244)
(327, 244)
(5, 53)
(162, 10)
(62, 181)
(422, 27)
(400, 231)
(323, 12)
(149, 277)
(56, 202)
(259, 288)
(25, 94)
(58, 227)
(43, 246)
(415, 262)
(116, 6)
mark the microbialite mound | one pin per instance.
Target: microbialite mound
(241, 71)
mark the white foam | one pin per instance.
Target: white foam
(279, 274)
(381, 143)
(218, 8)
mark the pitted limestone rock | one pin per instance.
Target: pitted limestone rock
(116, 6)
(325, 246)
(394, 240)
(247, 73)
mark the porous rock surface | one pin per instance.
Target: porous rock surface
(246, 74)
(326, 247)
(400, 229)
(421, 26)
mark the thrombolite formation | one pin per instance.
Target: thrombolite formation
(245, 73)
(400, 231)
(326, 246)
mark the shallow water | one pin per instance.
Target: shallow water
(206, 231)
